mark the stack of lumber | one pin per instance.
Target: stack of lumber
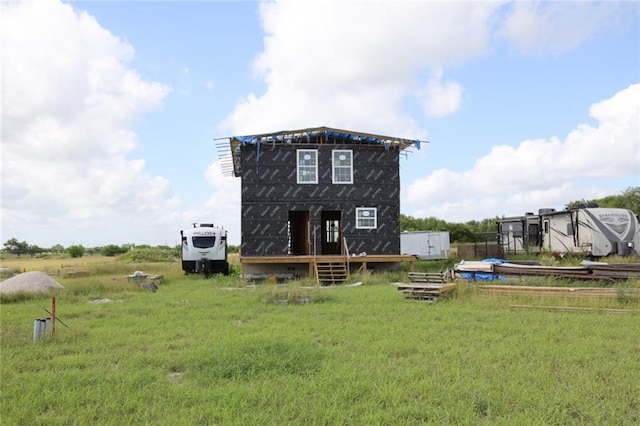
(427, 286)
(429, 277)
(594, 292)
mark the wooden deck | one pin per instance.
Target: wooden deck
(360, 262)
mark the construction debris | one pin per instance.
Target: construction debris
(500, 270)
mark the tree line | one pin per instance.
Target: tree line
(468, 232)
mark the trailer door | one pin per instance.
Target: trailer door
(546, 237)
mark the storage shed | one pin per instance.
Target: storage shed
(426, 245)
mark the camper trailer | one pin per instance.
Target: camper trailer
(592, 231)
(426, 245)
(204, 249)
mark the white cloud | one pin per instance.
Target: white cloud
(353, 64)
(441, 98)
(537, 173)
(69, 99)
(356, 64)
(555, 27)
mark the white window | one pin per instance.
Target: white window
(307, 166)
(366, 218)
(342, 166)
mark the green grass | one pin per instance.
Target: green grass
(217, 351)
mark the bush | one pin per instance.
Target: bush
(138, 254)
(76, 251)
(112, 250)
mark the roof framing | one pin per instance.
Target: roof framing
(229, 154)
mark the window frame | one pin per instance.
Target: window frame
(335, 168)
(300, 168)
(359, 225)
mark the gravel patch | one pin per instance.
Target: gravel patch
(29, 282)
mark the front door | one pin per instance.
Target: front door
(331, 232)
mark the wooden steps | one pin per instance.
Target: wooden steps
(331, 272)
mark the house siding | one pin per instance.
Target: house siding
(270, 190)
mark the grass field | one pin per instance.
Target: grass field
(220, 351)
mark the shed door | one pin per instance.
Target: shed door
(331, 232)
(299, 232)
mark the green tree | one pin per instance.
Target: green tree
(32, 250)
(581, 203)
(76, 250)
(16, 247)
(57, 249)
(627, 199)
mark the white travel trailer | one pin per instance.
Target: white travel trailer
(592, 231)
(430, 245)
(204, 250)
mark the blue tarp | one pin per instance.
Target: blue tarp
(485, 276)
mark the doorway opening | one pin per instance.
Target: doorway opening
(298, 230)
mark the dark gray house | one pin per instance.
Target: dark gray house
(318, 193)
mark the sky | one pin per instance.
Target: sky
(110, 110)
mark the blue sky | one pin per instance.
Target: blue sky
(110, 109)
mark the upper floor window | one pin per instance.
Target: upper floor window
(366, 218)
(342, 166)
(307, 166)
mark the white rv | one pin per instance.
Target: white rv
(204, 249)
(592, 231)
(429, 245)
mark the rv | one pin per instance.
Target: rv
(590, 231)
(204, 250)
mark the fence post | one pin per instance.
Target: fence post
(40, 328)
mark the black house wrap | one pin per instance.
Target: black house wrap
(282, 217)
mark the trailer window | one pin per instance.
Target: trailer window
(204, 242)
(516, 228)
(534, 234)
(569, 228)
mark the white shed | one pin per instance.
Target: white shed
(431, 245)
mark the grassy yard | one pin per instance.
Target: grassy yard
(219, 351)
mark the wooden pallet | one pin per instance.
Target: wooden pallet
(429, 277)
(431, 292)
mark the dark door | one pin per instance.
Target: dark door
(331, 232)
(298, 232)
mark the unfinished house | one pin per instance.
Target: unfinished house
(317, 202)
